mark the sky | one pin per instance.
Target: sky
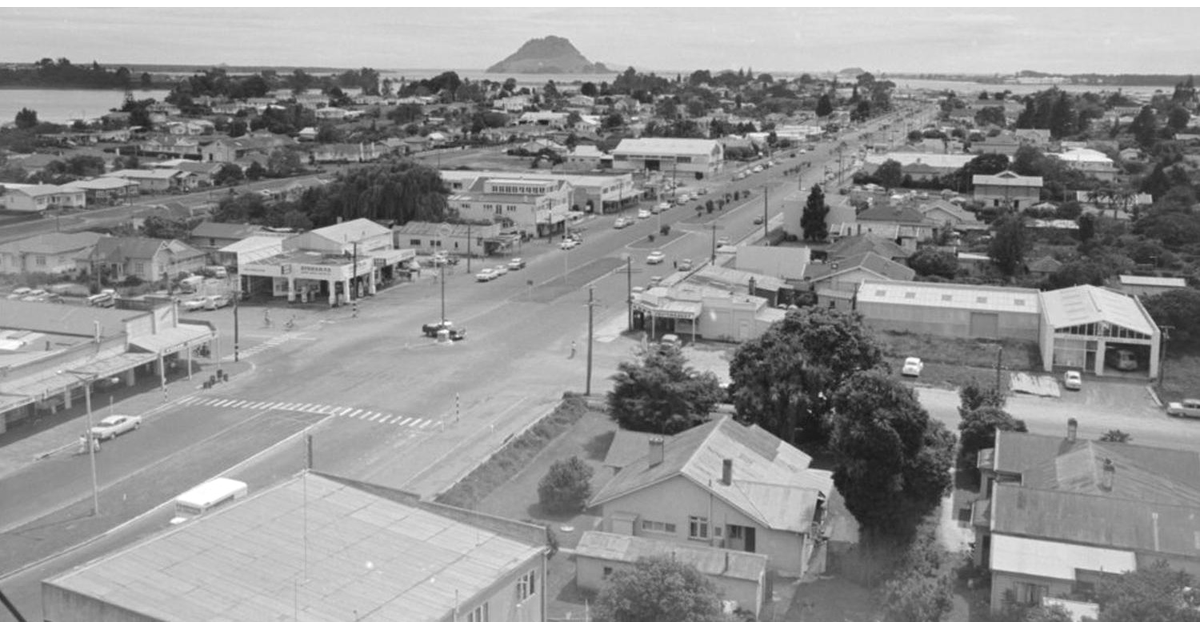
(897, 40)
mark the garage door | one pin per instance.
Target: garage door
(985, 325)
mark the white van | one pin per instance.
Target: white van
(207, 497)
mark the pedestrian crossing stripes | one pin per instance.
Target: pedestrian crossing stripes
(377, 417)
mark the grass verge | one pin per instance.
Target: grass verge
(514, 455)
(1179, 375)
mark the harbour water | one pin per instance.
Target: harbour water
(61, 106)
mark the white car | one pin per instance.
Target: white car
(684, 199)
(195, 304)
(1189, 408)
(664, 206)
(685, 264)
(619, 223)
(516, 263)
(485, 275)
(912, 367)
(113, 426)
(568, 244)
(643, 214)
(758, 169)
(500, 271)
(1072, 379)
(722, 241)
(655, 258)
(216, 301)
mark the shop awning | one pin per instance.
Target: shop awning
(672, 309)
(173, 339)
(103, 364)
(385, 257)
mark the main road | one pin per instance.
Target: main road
(379, 401)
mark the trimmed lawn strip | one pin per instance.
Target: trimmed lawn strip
(513, 456)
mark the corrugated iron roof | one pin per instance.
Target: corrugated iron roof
(1055, 560)
(1086, 304)
(724, 563)
(937, 294)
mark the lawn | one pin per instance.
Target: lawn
(953, 362)
(1179, 378)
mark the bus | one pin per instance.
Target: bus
(207, 497)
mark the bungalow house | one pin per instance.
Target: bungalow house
(233, 149)
(557, 120)
(836, 282)
(204, 172)
(172, 145)
(860, 244)
(943, 213)
(211, 235)
(106, 191)
(145, 258)
(39, 198)
(331, 113)
(307, 134)
(723, 485)
(1089, 162)
(904, 224)
(55, 252)
(1059, 514)
(1043, 267)
(361, 152)
(511, 104)
(158, 180)
(1039, 138)
(1003, 144)
(1007, 188)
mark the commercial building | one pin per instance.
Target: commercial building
(696, 310)
(684, 157)
(1089, 162)
(43, 346)
(950, 310)
(1007, 189)
(317, 548)
(340, 263)
(533, 207)
(589, 193)
(1085, 326)
(457, 239)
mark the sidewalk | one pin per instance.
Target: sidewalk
(22, 445)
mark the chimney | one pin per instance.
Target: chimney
(1072, 428)
(656, 450)
(1110, 471)
(727, 471)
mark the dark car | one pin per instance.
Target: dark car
(431, 330)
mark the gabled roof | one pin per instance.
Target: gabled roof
(212, 229)
(53, 243)
(869, 261)
(1167, 478)
(1086, 304)
(772, 483)
(949, 208)
(103, 183)
(1006, 178)
(116, 248)
(353, 230)
(1020, 452)
(893, 214)
(852, 245)
(1045, 264)
(723, 563)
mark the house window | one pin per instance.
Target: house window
(1029, 593)
(479, 614)
(658, 527)
(41, 261)
(414, 241)
(698, 527)
(608, 571)
(526, 586)
(139, 269)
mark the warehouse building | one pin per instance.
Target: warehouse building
(950, 310)
(1086, 327)
(682, 156)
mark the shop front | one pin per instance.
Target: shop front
(308, 276)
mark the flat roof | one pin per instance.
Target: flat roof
(945, 295)
(686, 146)
(65, 319)
(308, 549)
(1153, 281)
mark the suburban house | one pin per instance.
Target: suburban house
(107, 191)
(557, 120)
(1089, 162)
(380, 555)
(904, 224)
(1060, 513)
(172, 145)
(1004, 144)
(146, 258)
(835, 283)
(1043, 267)
(211, 235)
(346, 152)
(1007, 188)
(233, 149)
(920, 165)
(942, 213)
(860, 244)
(56, 252)
(1038, 138)
(38, 198)
(723, 485)
(787, 263)
(158, 180)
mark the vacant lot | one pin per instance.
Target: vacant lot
(1180, 375)
(953, 362)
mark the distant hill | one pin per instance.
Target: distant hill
(850, 72)
(548, 55)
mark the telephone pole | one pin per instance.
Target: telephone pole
(714, 244)
(1162, 355)
(629, 290)
(766, 197)
(587, 391)
(468, 248)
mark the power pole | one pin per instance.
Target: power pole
(999, 358)
(468, 248)
(237, 296)
(714, 244)
(354, 274)
(442, 271)
(629, 290)
(587, 391)
(766, 198)
(1162, 355)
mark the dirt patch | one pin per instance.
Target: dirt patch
(833, 599)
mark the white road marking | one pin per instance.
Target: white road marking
(406, 421)
(345, 411)
(423, 424)
(356, 412)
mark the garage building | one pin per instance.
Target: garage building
(1084, 325)
(950, 310)
(698, 157)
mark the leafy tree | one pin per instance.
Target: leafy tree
(658, 589)
(977, 431)
(824, 106)
(1178, 118)
(1116, 435)
(784, 379)
(1009, 243)
(1145, 127)
(164, 228)
(922, 588)
(890, 174)
(405, 113)
(975, 395)
(1087, 227)
(284, 162)
(228, 174)
(662, 394)
(1153, 593)
(892, 461)
(812, 219)
(1063, 119)
(566, 487)
(990, 116)
(984, 164)
(1014, 612)
(1079, 272)
(934, 262)
(589, 89)
(255, 172)
(1178, 308)
(1156, 183)
(329, 134)
(26, 118)
(395, 190)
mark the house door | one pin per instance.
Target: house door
(749, 539)
(741, 538)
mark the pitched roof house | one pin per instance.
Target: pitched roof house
(48, 253)
(725, 485)
(860, 244)
(1060, 513)
(146, 258)
(835, 283)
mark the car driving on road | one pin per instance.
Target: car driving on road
(113, 426)
(486, 274)
(1072, 379)
(655, 258)
(569, 243)
(516, 263)
(685, 264)
(643, 213)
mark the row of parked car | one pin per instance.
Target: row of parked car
(491, 273)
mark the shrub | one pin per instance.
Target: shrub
(565, 489)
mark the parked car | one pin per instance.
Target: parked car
(569, 243)
(485, 274)
(684, 199)
(722, 241)
(758, 169)
(655, 257)
(113, 426)
(1072, 379)
(671, 340)
(663, 207)
(195, 304)
(912, 367)
(1123, 360)
(619, 223)
(430, 330)
(643, 213)
(456, 334)
(758, 220)
(685, 264)
(500, 271)
(19, 293)
(516, 263)
(655, 280)
(1188, 408)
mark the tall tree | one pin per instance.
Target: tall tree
(934, 262)
(890, 174)
(1178, 118)
(1009, 243)
(824, 106)
(812, 219)
(784, 379)
(1145, 127)
(662, 394)
(892, 461)
(26, 118)
(1151, 593)
(658, 589)
(1177, 308)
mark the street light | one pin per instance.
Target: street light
(91, 442)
